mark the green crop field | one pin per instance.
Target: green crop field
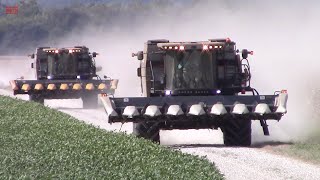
(42, 143)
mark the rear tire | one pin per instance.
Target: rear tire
(147, 130)
(237, 132)
(90, 101)
(36, 98)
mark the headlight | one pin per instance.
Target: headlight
(49, 77)
(167, 92)
(78, 77)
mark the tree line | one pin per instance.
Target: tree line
(35, 24)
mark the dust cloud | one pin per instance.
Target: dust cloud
(283, 36)
(21, 66)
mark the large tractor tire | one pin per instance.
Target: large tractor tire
(36, 98)
(147, 130)
(237, 132)
(90, 101)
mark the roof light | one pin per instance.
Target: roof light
(205, 47)
(165, 47)
(216, 47)
(70, 51)
(181, 48)
(56, 51)
(210, 47)
(170, 47)
(176, 48)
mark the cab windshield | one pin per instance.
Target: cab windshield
(191, 69)
(66, 64)
(61, 64)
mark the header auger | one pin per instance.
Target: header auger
(65, 73)
(196, 85)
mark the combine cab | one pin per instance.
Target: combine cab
(66, 73)
(196, 85)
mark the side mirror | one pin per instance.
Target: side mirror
(139, 72)
(245, 53)
(32, 66)
(139, 55)
(105, 76)
(32, 56)
(94, 54)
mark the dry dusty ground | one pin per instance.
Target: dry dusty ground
(235, 163)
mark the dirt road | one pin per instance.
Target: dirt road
(235, 163)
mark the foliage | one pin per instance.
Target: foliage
(36, 24)
(41, 143)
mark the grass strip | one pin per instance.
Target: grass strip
(307, 150)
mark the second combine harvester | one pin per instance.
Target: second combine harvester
(196, 85)
(65, 73)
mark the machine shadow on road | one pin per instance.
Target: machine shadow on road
(270, 144)
(254, 145)
(179, 146)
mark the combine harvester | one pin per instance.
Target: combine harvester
(196, 85)
(65, 73)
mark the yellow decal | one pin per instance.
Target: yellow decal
(26, 87)
(51, 87)
(102, 86)
(90, 86)
(38, 87)
(77, 87)
(64, 87)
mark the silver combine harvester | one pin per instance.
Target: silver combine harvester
(196, 85)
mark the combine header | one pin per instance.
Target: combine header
(65, 73)
(196, 85)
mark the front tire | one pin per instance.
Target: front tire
(147, 130)
(38, 98)
(237, 132)
(90, 101)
